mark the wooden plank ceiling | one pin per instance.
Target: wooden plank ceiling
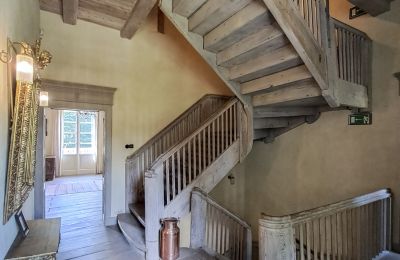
(124, 15)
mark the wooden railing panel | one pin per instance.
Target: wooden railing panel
(141, 160)
(217, 230)
(197, 147)
(359, 228)
(353, 57)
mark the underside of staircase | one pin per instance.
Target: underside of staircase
(286, 61)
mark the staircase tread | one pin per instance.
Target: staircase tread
(138, 210)
(263, 41)
(190, 253)
(132, 230)
(387, 255)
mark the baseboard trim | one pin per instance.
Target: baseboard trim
(110, 221)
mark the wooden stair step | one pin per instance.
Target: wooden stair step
(132, 230)
(213, 13)
(186, 8)
(137, 209)
(299, 92)
(267, 64)
(247, 21)
(262, 112)
(277, 80)
(265, 40)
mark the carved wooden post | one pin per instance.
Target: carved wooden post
(154, 206)
(249, 242)
(198, 224)
(276, 239)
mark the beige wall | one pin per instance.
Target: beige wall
(329, 161)
(19, 20)
(157, 77)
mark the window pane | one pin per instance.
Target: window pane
(85, 128)
(70, 116)
(83, 145)
(69, 127)
(69, 138)
(85, 138)
(86, 116)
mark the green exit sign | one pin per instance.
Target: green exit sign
(360, 119)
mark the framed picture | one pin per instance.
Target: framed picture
(23, 226)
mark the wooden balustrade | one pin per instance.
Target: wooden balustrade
(142, 159)
(353, 53)
(358, 228)
(314, 13)
(218, 231)
(187, 160)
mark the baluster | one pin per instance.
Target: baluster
(179, 171)
(223, 126)
(344, 233)
(194, 157)
(167, 180)
(226, 130)
(322, 237)
(301, 241)
(184, 169)
(308, 230)
(204, 149)
(334, 237)
(315, 230)
(173, 176)
(218, 137)
(230, 125)
(214, 146)
(328, 228)
(199, 147)
(358, 241)
(235, 125)
(209, 144)
(190, 157)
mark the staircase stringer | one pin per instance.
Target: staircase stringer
(197, 42)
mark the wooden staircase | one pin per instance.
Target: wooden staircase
(198, 149)
(286, 60)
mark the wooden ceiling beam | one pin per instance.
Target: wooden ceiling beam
(137, 17)
(70, 11)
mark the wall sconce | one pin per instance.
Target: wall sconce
(24, 68)
(44, 99)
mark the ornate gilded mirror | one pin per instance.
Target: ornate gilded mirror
(23, 63)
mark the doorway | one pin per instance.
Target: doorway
(74, 166)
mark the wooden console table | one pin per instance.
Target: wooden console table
(41, 242)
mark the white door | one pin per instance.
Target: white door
(79, 148)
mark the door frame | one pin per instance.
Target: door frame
(76, 96)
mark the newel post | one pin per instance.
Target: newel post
(198, 223)
(276, 240)
(154, 206)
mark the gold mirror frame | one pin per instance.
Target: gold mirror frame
(23, 139)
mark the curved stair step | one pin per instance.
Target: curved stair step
(186, 8)
(132, 230)
(137, 209)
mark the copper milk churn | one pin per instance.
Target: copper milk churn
(169, 239)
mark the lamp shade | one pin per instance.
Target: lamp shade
(24, 68)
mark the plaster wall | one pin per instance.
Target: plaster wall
(329, 161)
(157, 77)
(19, 21)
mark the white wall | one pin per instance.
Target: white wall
(157, 77)
(329, 161)
(19, 20)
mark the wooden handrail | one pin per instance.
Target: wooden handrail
(173, 123)
(142, 159)
(217, 230)
(196, 132)
(357, 228)
(210, 201)
(327, 209)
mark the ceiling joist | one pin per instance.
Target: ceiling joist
(70, 11)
